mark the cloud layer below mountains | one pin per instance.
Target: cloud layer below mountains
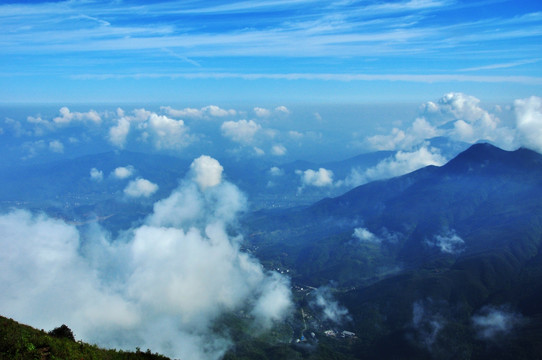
(160, 285)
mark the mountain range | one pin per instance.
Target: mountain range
(444, 262)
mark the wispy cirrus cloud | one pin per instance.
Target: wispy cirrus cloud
(300, 28)
(417, 78)
(502, 65)
(340, 41)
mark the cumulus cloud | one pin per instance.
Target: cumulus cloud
(455, 115)
(161, 285)
(274, 300)
(123, 172)
(448, 243)
(320, 178)
(258, 151)
(401, 163)
(206, 172)
(241, 131)
(206, 111)
(492, 322)
(41, 126)
(216, 111)
(66, 116)
(529, 122)
(282, 110)
(119, 132)
(471, 123)
(49, 282)
(278, 150)
(404, 140)
(364, 235)
(162, 131)
(167, 133)
(56, 146)
(275, 171)
(323, 301)
(96, 175)
(140, 188)
(262, 112)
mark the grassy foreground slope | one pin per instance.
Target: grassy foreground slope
(22, 342)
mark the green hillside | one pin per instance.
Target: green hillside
(22, 342)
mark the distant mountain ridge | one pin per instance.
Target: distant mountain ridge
(416, 258)
(468, 195)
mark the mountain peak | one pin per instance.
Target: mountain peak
(485, 155)
(480, 151)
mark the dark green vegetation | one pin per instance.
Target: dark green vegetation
(21, 342)
(409, 298)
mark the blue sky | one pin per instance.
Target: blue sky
(268, 51)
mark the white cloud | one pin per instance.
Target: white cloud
(275, 171)
(66, 116)
(364, 235)
(162, 285)
(216, 111)
(471, 123)
(282, 110)
(206, 172)
(274, 300)
(184, 113)
(387, 142)
(324, 301)
(56, 146)
(529, 122)
(241, 131)
(320, 178)
(295, 134)
(448, 243)
(207, 111)
(426, 322)
(119, 132)
(262, 112)
(492, 322)
(36, 120)
(96, 175)
(401, 163)
(17, 127)
(49, 282)
(41, 126)
(419, 131)
(318, 117)
(278, 150)
(168, 133)
(164, 132)
(123, 172)
(455, 115)
(258, 151)
(140, 188)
